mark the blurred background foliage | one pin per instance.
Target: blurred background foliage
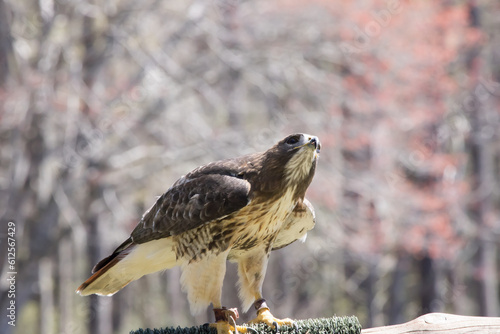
(104, 104)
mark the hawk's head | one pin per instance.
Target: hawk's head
(294, 158)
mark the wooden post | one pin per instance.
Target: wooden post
(441, 323)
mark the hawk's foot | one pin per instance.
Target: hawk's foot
(226, 322)
(224, 327)
(264, 316)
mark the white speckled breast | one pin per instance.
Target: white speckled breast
(265, 220)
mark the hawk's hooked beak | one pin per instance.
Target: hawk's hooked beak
(312, 141)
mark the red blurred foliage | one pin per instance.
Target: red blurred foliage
(397, 85)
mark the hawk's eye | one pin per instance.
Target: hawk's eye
(292, 140)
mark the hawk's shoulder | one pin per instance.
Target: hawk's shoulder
(244, 167)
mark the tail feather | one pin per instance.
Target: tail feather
(104, 280)
(128, 264)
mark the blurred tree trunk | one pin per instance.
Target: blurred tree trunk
(94, 255)
(482, 151)
(427, 282)
(397, 290)
(6, 56)
(491, 160)
(65, 287)
(232, 75)
(94, 45)
(482, 169)
(371, 292)
(46, 286)
(99, 307)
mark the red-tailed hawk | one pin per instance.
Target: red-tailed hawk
(236, 209)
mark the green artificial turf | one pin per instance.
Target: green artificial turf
(337, 325)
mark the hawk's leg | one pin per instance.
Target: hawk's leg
(251, 271)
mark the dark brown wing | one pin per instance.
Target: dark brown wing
(194, 200)
(208, 193)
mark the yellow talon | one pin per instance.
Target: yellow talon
(226, 322)
(223, 327)
(265, 316)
